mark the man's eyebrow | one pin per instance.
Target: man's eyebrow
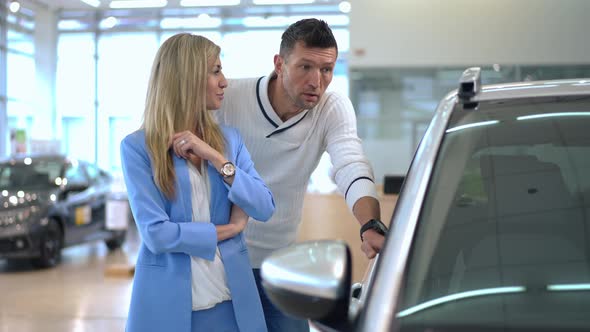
(321, 64)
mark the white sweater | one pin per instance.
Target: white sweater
(286, 153)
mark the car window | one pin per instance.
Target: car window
(503, 236)
(36, 174)
(75, 175)
(97, 175)
(92, 172)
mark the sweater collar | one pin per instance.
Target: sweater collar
(268, 111)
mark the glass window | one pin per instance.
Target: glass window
(394, 106)
(124, 67)
(75, 86)
(75, 94)
(240, 59)
(503, 234)
(20, 41)
(119, 127)
(20, 76)
(77, 135)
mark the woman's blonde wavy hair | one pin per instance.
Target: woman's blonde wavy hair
(176, 101)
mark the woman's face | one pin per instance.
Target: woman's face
(216, 82)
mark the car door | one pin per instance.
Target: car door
(100, 189)
(79, 200)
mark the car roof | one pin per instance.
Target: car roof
(470, 89)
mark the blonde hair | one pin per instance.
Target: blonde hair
(176, 101)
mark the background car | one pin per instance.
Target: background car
(491, 231)
(51, 202)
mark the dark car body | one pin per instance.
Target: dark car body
(491, 231)
(50, 202)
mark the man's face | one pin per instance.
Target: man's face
(306, 73)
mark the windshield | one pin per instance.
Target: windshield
(32, 174)
(503, 236)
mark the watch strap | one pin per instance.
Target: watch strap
(376, 225)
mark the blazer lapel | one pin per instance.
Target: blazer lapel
(183, 188)
(215, 185)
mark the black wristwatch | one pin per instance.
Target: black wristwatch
(375, 225)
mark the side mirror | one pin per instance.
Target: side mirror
(311, 280)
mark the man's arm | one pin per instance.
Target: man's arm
(365, 209)
(351, 170)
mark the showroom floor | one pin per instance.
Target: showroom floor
(76, 296)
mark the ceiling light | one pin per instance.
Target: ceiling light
(203, 21)
(69, 25)
(108, 22)
(344, 7)
(281, 2)
(208, 3)
(272, 21)
(93, 3)
(117, 4)
(14, 6)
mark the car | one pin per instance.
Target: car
(49, 202)
(491, 230)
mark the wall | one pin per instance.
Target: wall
(386, 33)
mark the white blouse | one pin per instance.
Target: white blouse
(209, 285)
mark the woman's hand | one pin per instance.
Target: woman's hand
(186, 143)
(237, 223)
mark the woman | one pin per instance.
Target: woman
(184, 175)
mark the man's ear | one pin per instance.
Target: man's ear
(278, 61)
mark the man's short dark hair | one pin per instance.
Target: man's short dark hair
(311, 31)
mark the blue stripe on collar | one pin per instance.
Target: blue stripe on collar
(260, 103)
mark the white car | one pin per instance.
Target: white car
(491, 231)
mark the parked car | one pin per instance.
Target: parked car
(51, 202)
(491, 231)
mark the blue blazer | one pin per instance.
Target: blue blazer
(161, 299)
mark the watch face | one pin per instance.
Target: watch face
(228, 169)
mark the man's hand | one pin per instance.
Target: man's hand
(372, 243)
(365, 209)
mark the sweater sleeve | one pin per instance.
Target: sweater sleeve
(351, 170)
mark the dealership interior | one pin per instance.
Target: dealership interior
(73, 80)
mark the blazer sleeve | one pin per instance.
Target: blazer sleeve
(148, 205)
(248, 190)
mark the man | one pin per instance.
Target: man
(287, 121)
